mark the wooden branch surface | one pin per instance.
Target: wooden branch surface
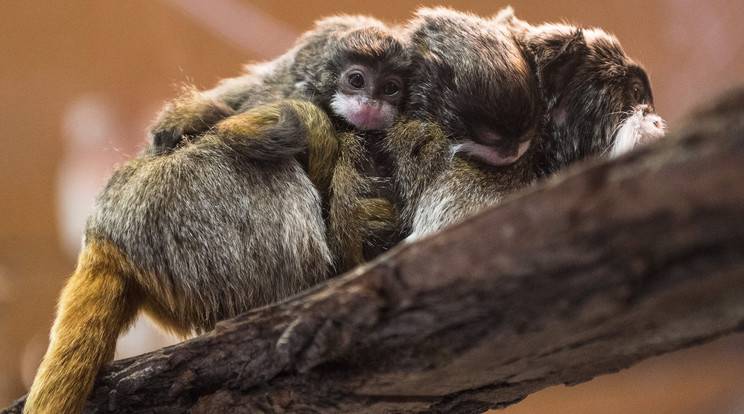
(585, 275)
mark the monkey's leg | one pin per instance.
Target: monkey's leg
(96, 305)
(419, 151)
(284, 129)
(358, 217)
(362, 231)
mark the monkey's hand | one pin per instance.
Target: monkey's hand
(379, 227)
(410, 139)
(377, 215)
(188, 116)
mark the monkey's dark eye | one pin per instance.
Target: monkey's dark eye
(390, 89)
(638, 94)
(356, 80)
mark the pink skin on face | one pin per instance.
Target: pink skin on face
(363, 114)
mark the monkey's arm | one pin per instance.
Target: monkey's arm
(195, 111)
(286, 129)
(419, 151)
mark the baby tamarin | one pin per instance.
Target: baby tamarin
(194, 232)
(353, 67)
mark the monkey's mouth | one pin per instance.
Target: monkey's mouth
(363, 114)
(492, 148)
(369, 117)
(490, 155)
(640, 127)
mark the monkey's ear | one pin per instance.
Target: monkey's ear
(504, 16)
(556, 61)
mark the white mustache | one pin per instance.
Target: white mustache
(636, 130)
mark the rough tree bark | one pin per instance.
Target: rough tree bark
(584, 275)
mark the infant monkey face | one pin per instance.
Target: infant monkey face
(367, 98)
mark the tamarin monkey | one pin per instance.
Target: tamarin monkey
(596, 100)
(189, 238)
(355, 69)
(198, 231)
(473, 111)
(573, 67)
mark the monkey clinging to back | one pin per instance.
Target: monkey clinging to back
(205, 230)
(352, 67)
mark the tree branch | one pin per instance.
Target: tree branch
(585, 275)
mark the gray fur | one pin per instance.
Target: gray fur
(222, 232)
(462, 190)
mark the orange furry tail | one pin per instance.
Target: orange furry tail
(96, 305)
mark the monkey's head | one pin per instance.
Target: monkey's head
(369, 72)
(470, 76)
(597, 100)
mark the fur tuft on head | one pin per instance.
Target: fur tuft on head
(485, 85)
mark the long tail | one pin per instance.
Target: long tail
(97, 304)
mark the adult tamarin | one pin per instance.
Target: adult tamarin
(473, 111)
(199, 230)
(190, 238)
(593, 100)
(596, 100)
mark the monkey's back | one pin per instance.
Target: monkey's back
(213, 233)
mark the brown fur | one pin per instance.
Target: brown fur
(317, 70)
(312, 70)
(100, 300)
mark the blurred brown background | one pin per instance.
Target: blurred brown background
(80, 81)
